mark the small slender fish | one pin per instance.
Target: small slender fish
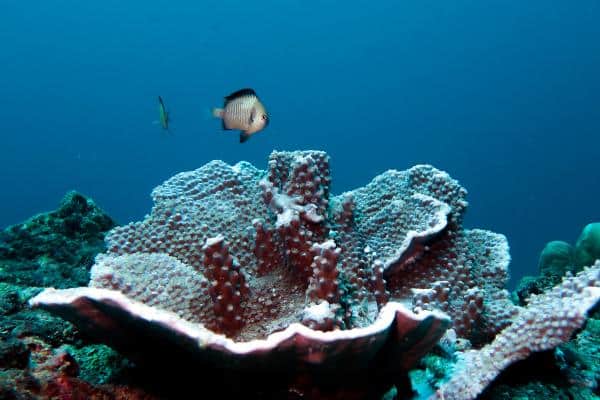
(163, 114)
(243, 111)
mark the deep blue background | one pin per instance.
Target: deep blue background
(504, 95)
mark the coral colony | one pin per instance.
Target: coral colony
(265, 271)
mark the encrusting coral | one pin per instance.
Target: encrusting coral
(265, 271)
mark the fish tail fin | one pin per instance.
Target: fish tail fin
(244, 136)
(217, 112)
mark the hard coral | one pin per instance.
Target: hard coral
(549, 320)
(227, 285)
(254, 255)
(278, 225)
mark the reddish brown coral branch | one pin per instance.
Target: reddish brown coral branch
(228, 285)
(378, 284)
(266, 248)
(344, 217)
(324, 282)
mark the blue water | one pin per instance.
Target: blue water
(504, 95)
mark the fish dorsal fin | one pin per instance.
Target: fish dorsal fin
(240, 93)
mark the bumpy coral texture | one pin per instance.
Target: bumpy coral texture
(548, 320)
(262, 249)
(160, 281)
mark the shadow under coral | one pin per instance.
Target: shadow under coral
(174, 357)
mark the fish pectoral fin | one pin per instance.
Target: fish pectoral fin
(252, 116)
(244, 136)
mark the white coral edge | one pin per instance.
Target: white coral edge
(204, 337)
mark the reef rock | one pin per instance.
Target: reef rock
(587, 247)
(55, 248)
(43, 356)
(556, 258)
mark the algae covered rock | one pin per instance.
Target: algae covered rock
(587, 248)
(55, 248)
(559, 257)
(98, 364)
(579, 359)
(42, 356)
(556, 258)
(529, 285)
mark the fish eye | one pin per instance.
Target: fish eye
(264, 117)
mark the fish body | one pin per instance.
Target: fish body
(243, 111)
(163, 114)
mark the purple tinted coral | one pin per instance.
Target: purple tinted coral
(266, 272)
(548, 320)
